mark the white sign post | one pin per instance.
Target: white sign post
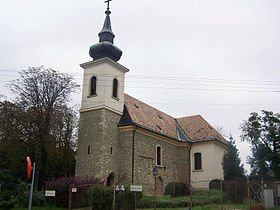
(136, 188)
(50, 193)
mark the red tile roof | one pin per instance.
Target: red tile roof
(149, 117)
(195, 127)
(198, 128)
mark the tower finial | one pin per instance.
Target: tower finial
(108, 6)
(106, 47)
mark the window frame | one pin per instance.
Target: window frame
(115, 88)
(159, 159)
(91, 92)
(197, 161)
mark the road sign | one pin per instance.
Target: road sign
(136, 188)
(50, 193)
(74, 189)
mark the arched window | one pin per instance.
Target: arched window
(197, 161)
(93, 86)
(115, 88)
(158, 159)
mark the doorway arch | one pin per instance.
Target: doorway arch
(110, 180)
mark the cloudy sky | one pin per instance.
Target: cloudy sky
(216, 58)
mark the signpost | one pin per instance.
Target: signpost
(135, 188)
(50, 193)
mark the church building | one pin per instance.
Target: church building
(123, 139)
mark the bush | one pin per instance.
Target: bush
(19, 197)
(237, 190)
(102, 198)
(200, 198)
(214, 184)
(62, 185)
(164, 201)
(204, 197)
(175, 189)
(126, 199)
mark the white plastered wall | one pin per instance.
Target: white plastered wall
(211, 160)
(105, 70)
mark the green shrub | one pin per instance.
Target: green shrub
(214, 184)
(125, 200)
(237, 190)
(203, 197)
(164, 201)
(102, 198)
(175, 189)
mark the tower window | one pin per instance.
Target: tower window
(115, 88)
(93, 86)
(111, 150)
(88, 150)
(197, 161)
(158, 157)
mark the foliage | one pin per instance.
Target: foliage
(175, 189)
(200, 198)
(125, 200)
(204, 197)
(214, 184)
(41, 208)
(164, 201)
(15, 193)
(263, 134)
(102, 198)
(39, 124)
(237, 189)
(231, 162)
(62, 185)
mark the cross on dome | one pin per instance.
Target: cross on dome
(108, 4)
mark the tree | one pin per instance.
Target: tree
(231, 162)
(263, 134)
(42, 121)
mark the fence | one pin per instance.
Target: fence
(254, 190)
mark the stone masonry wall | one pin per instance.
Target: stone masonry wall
(97, 129)
(174, 162)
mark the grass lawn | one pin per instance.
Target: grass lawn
(41, 208)
(229, 206)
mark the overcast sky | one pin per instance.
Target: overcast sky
(216, 58)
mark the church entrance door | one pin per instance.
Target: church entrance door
(159, 186)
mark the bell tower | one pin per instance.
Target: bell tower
(103, 83)
(102, 106)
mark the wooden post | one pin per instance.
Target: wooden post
(249, 193)
(70, 197)
(262, 192)
(221, 191)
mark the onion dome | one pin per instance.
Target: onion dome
(106, 47)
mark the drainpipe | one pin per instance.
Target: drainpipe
(190, 147)
(133, 154)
